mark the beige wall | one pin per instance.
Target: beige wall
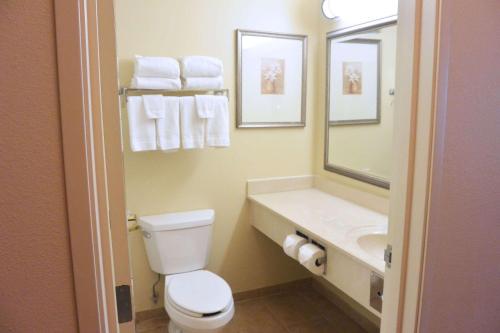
(462, 271)
(374, 11)
(36, 280)
(368, 148)
(158, 182)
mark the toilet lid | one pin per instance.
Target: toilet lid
(199, 292)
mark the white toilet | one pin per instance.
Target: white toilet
(178, 245)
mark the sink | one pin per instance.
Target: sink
(374, 244)
(372, 240)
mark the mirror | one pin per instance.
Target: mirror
(360, 102)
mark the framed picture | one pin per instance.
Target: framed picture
(354, 81)
(271, 79)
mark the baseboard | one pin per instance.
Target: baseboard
(367, 320)
(272, 290)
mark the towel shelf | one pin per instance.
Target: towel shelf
(183, 92)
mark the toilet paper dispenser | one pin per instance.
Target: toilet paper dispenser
(298, 233)
(321, 260)
(308, 252)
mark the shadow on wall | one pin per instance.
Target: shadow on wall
(126, 70)
(240, 266)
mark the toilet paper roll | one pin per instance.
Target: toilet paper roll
(291, 245)
(312, 258)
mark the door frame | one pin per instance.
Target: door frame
(86, 50)
(418, 67)
(88, 90)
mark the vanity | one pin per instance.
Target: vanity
(353, 233)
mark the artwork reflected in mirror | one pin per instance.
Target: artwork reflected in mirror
(354, 88)
(360, 103)
(352, 77)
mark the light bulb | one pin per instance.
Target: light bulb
(327, 9)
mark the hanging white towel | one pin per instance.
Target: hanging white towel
(142, 130)
(200, 66)
(157, 67)
(141, 82)
(168, 128)
(203, 82)
(192, 126)
(206, 105)
(154, 105)
(218, 126)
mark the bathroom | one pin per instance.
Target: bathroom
(216, 178)
(250, 166)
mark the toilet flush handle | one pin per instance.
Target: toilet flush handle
(146, 234)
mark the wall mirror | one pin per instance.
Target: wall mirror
(361, 65)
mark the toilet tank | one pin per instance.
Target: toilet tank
(178, 242)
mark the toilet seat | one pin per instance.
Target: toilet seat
(199, 293)
(198, 300)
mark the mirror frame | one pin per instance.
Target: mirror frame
(385, 22)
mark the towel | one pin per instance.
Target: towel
(192, 126)
(218, 126)
(142, 130)
(141, 82)
(167, 128)
(203, 82)
(199, 66)
(154, 106)
(157, 67)
(207, 105)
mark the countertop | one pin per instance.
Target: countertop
(328, 219)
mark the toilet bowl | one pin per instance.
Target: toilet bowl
(198, 301)
(178, 245)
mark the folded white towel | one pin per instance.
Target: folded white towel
(157, 67)
(154, 105)
(168, 128)
(203, 82)
(141, 82)
(206, 105)
(218, 126)
(199, 66)
(192, 126)
(142, 130)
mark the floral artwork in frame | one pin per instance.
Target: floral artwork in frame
(272, 79)
(272, 76)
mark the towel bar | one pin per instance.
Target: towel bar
(124, 91)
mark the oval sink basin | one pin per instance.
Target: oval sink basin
(371, 240)
(374, 244)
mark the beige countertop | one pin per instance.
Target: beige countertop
(329, 220)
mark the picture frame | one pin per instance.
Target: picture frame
(271, 79)
(354, 81)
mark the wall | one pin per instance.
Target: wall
(461, 279)
(158, 182)
(36, 282)
(350, 16)
(368, 148)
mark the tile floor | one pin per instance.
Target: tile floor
(294, 311)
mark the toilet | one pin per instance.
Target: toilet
(178, 245)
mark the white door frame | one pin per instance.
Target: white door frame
(417, 67)
(95, 198)
(88, 89)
